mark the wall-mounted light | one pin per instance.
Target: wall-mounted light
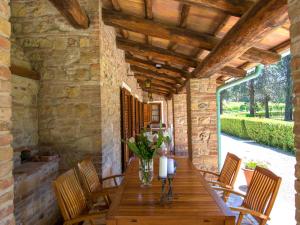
(147, 84)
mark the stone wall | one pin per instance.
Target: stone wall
(114, 71)
(180, 123)
(68, 61)
(24, 103)
(294, 13)
(6, 152)
(170, 112)
(202, 123)
(34, 199)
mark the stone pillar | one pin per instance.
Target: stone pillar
(202, 123)
(6, 152)
(180, 124)
(294, 13)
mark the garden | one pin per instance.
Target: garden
(262, 109)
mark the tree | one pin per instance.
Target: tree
(285, 65)
(251, 98)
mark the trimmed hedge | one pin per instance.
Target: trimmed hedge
(266, 131)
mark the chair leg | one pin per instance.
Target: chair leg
(240, 219)
(264, 222)
(91, 222)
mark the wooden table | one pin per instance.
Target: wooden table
(194, 201)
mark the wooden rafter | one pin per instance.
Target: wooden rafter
(154, 77)
(238, 8)
(155, 90)
(249, 30)
(148, 9)
(167, 55)
(179, 35)
(233, 72)
(282, 46)
(147, 64)
(160, 75)
(155, 29)
(182, 22)
(157, 86)
(184, 15)
(73, 12)
(155, 52)
(117, 7)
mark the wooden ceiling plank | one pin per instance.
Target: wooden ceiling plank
(262, 18)
(238, 8)
(176, 34)
(73, 12)
(155, 52)
(147, 64)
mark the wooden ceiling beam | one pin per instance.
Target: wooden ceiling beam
(177, 35)
(155, 52)
(155, 91)
(160, 75)
(154, 77)
(236, 8)
(256, 55)
(262, 18)
(169, 56)
(73, 12)
(233, 72)
(141, 77)
(150, 65)
(155, 29)
(154, 84)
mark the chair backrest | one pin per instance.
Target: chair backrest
(262, 191)
(69, 194)
(230, 169)
(89, 176)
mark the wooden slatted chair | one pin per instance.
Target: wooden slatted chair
(91, 182)
(260, 197)
(228, 174)
(72, 201)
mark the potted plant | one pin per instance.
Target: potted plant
(145, 146)
(250, 167)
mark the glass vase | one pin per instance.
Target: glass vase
(146, 171)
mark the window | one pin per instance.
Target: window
(155, 113)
